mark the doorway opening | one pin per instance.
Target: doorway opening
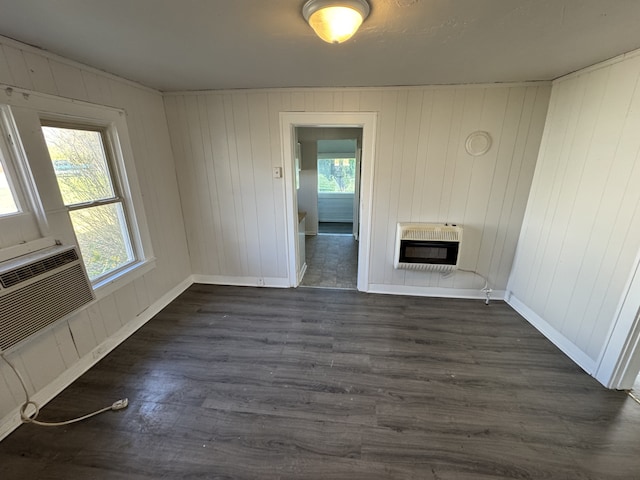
(344, 176)
(328, 192)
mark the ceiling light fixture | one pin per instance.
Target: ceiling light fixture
(335, 21)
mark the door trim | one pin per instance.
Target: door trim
(289, 121)
(356, 195)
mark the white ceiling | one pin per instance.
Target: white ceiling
(215, 44)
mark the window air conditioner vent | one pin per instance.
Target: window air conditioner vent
(39, 289)
(20, 274)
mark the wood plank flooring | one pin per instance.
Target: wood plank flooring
(247, 383)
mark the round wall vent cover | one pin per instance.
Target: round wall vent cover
(478, 143)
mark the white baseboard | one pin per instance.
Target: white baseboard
(12, 421)
(273, 282)
(554, 336)
(433, 291)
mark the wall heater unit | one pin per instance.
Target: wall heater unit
(38, 289)
(428, 246)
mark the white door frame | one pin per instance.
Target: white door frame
(619, 363)
(289, 121)
(356, 195)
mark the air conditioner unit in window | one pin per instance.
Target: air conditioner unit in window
(38, 289)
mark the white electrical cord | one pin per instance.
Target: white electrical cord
(119, 405)
(632, 395)
(486, 289)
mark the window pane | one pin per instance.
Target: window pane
(7, 202)
(337, 175)
(103, 238)
(80, 163)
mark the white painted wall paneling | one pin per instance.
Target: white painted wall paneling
(581, 231)
(335, 207)
(423, 173)
(60, 350)
(308, 191)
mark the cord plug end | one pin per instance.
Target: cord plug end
(120, 404)
(487, 293)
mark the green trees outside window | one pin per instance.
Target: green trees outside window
(337, 175)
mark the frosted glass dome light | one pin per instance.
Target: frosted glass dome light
(335, 21)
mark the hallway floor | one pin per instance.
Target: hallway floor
(332, 261)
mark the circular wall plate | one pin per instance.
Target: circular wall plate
(478, 143)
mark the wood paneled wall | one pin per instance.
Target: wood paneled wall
(307, 195)
(335, 207)
(226, 142)
(581, 232)
(60, 350)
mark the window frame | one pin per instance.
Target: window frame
(25, 225)
(116, 185)
(9, 173)
(24, 111)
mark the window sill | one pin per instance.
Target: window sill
(335, 194)
(109, 285)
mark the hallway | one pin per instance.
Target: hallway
(332, 262)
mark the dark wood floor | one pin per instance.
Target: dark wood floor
(244, 383)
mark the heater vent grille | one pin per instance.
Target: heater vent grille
(427, 246)
(445, 234)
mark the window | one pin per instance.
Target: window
(75, 179)
(8, 196)
(19, 223)
(337, 175)
(89, 185)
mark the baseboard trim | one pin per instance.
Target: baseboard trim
(433, 291)
(12, 421)
(554, 336)
(272, 282)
